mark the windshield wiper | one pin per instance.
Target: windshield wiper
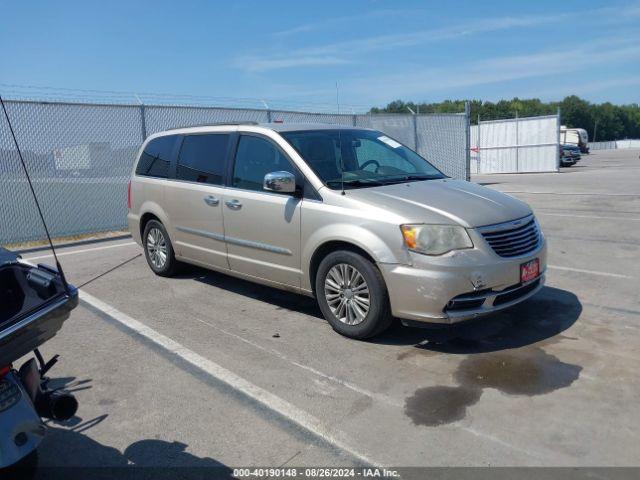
(405, 178)
(356, 182)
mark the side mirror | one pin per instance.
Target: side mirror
(282, 182)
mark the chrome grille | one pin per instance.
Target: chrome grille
(513, 238)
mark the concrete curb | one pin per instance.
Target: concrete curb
(73, 244)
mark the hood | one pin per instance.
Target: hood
(444, 201)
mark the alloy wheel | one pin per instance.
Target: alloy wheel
(157, 248)
(347, 294)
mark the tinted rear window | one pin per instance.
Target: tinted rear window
(202, 158)
(156, 157)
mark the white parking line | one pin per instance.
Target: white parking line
(256, 393)
(84, 250)
(590, 272)
(362, 391)
(585, 216)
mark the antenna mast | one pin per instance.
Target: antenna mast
(33, 192)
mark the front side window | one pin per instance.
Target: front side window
(359, 157)
(156, 157)
(202, 158)
(255, 158)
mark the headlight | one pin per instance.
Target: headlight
(435, 239)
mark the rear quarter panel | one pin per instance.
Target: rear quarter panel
(147, 196)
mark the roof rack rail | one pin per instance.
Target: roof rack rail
(218, 124)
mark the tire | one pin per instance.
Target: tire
(347, 314)
(158, 249)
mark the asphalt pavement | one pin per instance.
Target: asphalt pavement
(207, 370)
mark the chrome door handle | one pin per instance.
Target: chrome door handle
(211, 201)
(233, 204)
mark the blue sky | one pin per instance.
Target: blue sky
(296, 51)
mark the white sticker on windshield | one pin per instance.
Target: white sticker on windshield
(389, 141)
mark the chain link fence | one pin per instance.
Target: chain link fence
(610, 145)
(614, 144)
(80, 156)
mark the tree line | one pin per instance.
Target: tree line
(603, 121)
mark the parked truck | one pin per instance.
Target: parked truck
(575, 136)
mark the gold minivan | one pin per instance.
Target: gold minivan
(347, 215)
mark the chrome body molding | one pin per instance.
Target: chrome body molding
(237, 241)
(202, 233)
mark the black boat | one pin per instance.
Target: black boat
(34, 303)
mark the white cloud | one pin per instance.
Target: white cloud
(424, 82)
(340, 52)
(337, 53)
(259, 64)
(392, 41)
(337, 21)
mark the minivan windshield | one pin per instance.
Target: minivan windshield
(369, 158)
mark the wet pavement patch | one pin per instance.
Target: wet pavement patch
(530, 371)
(433, 406)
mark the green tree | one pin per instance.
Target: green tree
(613, 121)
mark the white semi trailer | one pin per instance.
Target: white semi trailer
(575, 136)
(75, 159)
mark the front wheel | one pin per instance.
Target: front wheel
(352, 295)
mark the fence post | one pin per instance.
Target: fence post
(415, 132)
(143, 122)
(354, 120)
(517, 145)
(467, 118)
(478, 146)
(268, 115)
(559, 149)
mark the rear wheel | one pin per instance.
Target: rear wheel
(158, 249)
(352, 295)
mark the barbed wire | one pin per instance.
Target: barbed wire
(77, 95)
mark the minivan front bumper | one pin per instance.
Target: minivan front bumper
(460, 285)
